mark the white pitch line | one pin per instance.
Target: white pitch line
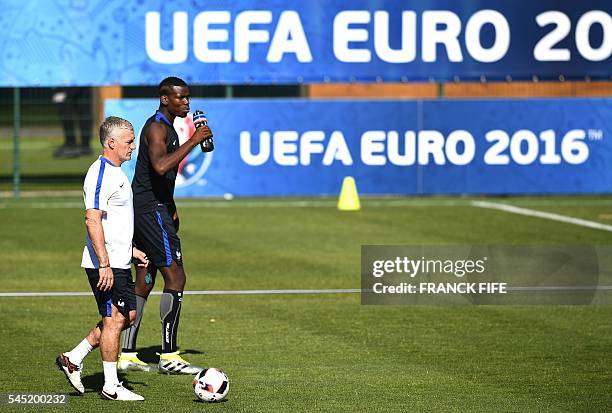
(201, 292)
(44, 205)
(324, 291)
(562, 288)
(258, 204)
(320, 203)
(541, 214)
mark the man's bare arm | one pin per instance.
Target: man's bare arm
(161, 160)
(93, 222)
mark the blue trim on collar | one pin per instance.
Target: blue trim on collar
(105, 160)
(160, 116)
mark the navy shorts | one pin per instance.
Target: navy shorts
(155, 234)
(121, 294)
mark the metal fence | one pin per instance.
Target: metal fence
(40, 128)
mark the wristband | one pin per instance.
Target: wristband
(104, 266)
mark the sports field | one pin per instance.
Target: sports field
(315, 351)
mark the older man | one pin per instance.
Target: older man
(107, 256)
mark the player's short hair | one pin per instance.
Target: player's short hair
(166, 85)
(110, 124)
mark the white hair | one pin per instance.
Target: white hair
(107, 128)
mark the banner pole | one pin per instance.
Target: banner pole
(440, 90)
(16, 133)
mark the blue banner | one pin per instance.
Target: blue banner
(272, 41)
(304, 147)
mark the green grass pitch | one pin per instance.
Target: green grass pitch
(313, 352)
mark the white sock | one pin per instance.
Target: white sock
(110, 373)
(77, 354)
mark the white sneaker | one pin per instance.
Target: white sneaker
(118, 392)
(72, 372)
(130, 361)
(173, 363)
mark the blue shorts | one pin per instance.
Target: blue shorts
(155, 234)
(122, 293)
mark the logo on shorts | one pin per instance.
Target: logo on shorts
(120, 303)
(178, 255)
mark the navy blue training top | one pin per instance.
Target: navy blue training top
(150, 188)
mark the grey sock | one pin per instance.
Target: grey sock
(130, 334)
(169, 313)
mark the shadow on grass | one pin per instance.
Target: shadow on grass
(203, 402)
(151, 354)
(94, 382)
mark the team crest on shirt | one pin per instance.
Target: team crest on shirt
(193, 168)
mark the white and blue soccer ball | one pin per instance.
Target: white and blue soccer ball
(211, 385)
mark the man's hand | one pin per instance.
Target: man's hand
(201, 134)
(105, 282)
(140, 256)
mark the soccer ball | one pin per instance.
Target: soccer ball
(211, 385)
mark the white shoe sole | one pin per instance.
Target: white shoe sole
(172, 368)
(131, 366)
(115, 397)
(80, 389)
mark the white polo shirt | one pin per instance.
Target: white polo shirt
(108, 189)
